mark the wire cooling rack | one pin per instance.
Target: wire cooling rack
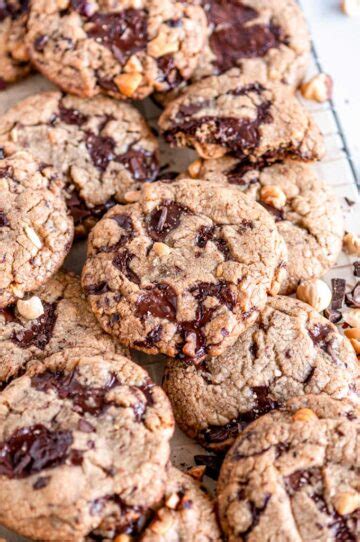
(337, 169)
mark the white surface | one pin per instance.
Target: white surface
(337, 42)
(336, 39)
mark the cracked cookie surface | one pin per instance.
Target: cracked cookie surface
(101, 148)
(123, 48)
(184, 270)
(36, 230)
(186, 512)
(291, 350)
(294, 475)
(309, 219)
(263, 36)
(272, 35)
(14, 57)
(243, 115)
(63, 321)
(81, 435)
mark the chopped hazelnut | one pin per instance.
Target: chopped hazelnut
(347, 503)
(31, 308)
(351, 244)
(194, 168)
(304, 415)
(316, 293)
(273, 195)
(127, 83)
(318, 89)
(351, 7)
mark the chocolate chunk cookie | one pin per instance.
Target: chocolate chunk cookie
(35, 229)
(243, 115)
(307, 214)
(80, 435)
(294, 475)
(291, 350)
(123, 48)
(184, 270)
(14, 58)
(57, 316)
(185, 513)
(101, 148)
(272, 35)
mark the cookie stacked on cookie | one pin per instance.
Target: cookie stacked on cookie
(196, 266)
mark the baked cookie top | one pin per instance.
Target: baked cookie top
(291, 350)
(306, 212)
(36, 230)
(186, 512)
(79, 433)
(56, 317)
(243, 115)
(127, 48)
(101, 148)
(184, 270)
(14, 57)
(294, 475)
(270, 35)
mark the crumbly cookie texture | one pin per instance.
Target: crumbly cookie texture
(14, 57)
(126, 49)
(80, 437)
(307, 213)
(36, 230)
(101, 148)
(56, 317)
(186, 512)
(271, 35)
(243, 115)
(184, 270)
(290, 351)
(294, 475)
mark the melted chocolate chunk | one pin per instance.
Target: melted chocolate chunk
(264, 403)
(322, 337)
(140, 407)
(97, 289)
(159, 301)
(233, 38)
(122, 262)
(82, 6)
(9, 314)
(40, 331)
(143, 165)
(3, 220)
(152, 338)
(41, 482)
(237, 173)
(169, 72)
(164, 219)
(186, 111)
(85, 399)
(125, 222)
(40, 42)
(207, 233)
(352, 299)
(101, 150)
(237, 134)
(13, 9)
(256, 512)
(124, 33)
(338, 293)
(32, 449)
(221, 290)
(356, 269)
(71, 116)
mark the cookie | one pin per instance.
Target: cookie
(36, 231)
(185, 513)
(14, 57)
(294, 475)
(101, 148)
(243, 115)
(271, 35)
(55, 318)
(291, 350)
(125, 49)
(184, 270)
(261, 36)
(79, 435)
(307, 214)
